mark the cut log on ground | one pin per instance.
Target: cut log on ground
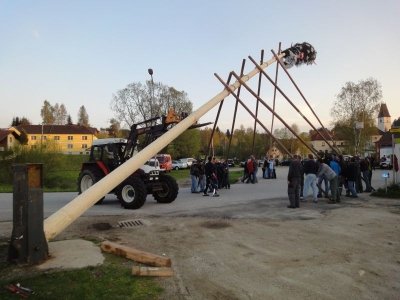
(136, 255)
(152, 271)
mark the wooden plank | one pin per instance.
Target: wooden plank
(152, 271)
(135, 254)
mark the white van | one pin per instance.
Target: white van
(188, 161)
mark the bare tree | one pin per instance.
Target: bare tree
(47, 113)
(137, 101)
(355, 106)
(60, 114)
(357, 100)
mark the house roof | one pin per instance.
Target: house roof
(4, 133)
(386, 139)
(57, 129)
(316, 135)
(383, 111)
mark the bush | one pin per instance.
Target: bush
(393, 191)
(60, 171)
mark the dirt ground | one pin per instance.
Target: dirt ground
(346, 251)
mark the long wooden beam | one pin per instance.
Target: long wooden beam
(62, 218)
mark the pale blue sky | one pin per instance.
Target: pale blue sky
(81, 52)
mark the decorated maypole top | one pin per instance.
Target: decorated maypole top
(300, 53)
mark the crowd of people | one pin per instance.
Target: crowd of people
(209, 177)
(328, 177)
(250, 169)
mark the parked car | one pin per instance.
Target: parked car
(385, 163)
(188, 161)
(230, 162)
(177, 165)
(165, 161)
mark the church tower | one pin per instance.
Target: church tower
(384, 119)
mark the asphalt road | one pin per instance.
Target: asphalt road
(242, 200)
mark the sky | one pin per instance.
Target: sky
(82, 52)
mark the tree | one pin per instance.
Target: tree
(115, 128)
(355, 106)
(83, 117)
(186, 145)
(69, 120)
(288, 139)
(16, 121)
(47, 113)
(396, 123)
(138, 101)
(60, 114)
(23, 138)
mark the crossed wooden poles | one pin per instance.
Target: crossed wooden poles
(259, 100)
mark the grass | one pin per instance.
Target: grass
(65, 180)
(112, 280)
(393, 191)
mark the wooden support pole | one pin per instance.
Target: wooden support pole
(62, 218)
(136, 255)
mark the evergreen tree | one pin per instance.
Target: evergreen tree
(69, 120)
(83, 117)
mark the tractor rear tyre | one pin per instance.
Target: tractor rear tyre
(170, 189)
(86, 179)
(132, 193)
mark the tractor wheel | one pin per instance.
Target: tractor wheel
(170, 190)
(132, 193)
(86, 179)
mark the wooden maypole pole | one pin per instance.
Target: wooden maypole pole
(62, 218)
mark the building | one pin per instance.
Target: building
(8, 139)
(68, 139)
(384, 118)
(317, 140)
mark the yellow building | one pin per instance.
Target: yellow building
(68, 139)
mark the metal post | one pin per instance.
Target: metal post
(150, 71)
(28, 243)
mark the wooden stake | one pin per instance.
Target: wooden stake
(136, 255)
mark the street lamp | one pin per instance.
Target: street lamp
(150, 71)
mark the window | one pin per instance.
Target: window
(70, 138)
(70, 146)
(84, 146)
(56, 137)
(44, 138)
(10, 139)
(322, 143)
(33, 137)
(84, 137)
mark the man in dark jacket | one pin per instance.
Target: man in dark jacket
(294, 180)
(210, 171)
(351, 176)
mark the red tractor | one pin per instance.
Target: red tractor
(107, 154)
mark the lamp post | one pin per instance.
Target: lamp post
(150, 71)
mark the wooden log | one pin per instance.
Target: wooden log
(136, 255)
(152, 271)
(62, 218)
